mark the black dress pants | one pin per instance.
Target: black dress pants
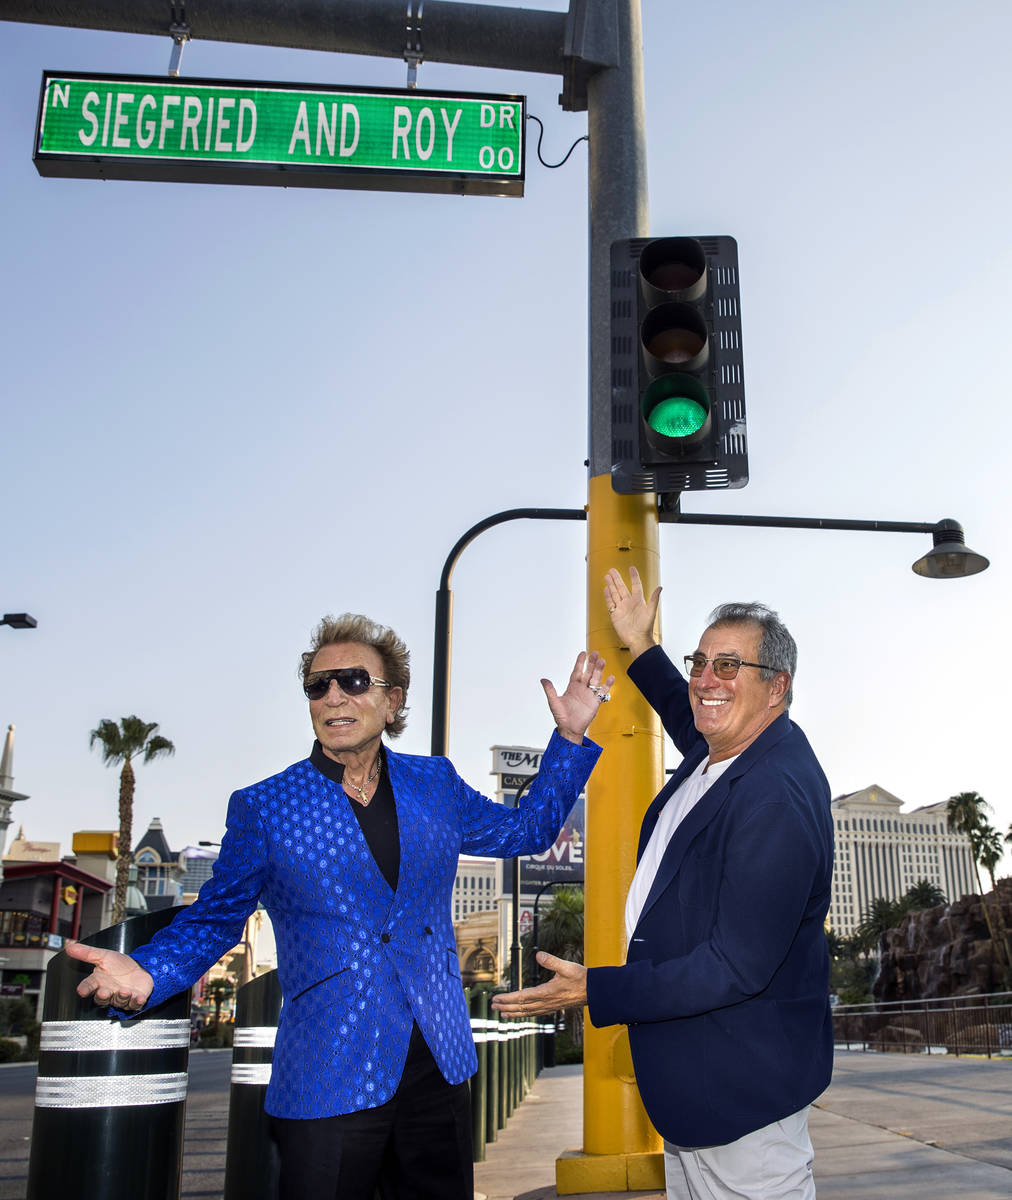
(417, 1146)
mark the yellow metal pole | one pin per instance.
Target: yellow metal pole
(621, 1149)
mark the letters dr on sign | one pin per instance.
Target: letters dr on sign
(280, 134)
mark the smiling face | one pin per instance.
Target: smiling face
(349, 727)
(731, 713)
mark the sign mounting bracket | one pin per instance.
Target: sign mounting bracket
(413, 55)
(179, 31)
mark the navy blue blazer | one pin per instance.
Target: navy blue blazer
(358, 962)
(726, 984)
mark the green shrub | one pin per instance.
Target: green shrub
(33, 1035)
(216, 1037)
(566, 1051)
(10, 1051)
(15, 1017)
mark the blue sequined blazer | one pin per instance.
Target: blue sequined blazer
(358, 962)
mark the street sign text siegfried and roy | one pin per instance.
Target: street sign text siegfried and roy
(304, 135)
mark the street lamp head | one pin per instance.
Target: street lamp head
(949, 557)
(19, 620)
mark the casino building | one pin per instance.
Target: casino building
(882, 852)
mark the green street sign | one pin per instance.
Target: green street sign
(280, 134)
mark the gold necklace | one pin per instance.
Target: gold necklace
(361, 790)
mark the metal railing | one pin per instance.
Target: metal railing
(979, 1025)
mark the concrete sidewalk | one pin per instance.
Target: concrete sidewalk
(890, 1127)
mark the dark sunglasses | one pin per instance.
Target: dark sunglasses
(353, 681)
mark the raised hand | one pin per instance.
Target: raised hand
(577, 706)
(116, 979)
(566, 989)
(633, 617)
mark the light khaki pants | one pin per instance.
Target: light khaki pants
(773, 1163)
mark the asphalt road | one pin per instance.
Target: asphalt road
(204, 1138)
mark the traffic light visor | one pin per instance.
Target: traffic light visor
(673, 269)
(674, 336)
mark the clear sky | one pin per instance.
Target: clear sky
(228, 411)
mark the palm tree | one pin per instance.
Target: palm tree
(880, 915)
(121, 744)
(835, 944)
(560, 932)
(965, 813)
(220, 990)
(989, 849)
(925, 894)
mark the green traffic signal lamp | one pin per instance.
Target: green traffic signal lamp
(676, 414)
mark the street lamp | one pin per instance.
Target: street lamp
(949, 558)
(516, 976)
(444, 612)
(19, 620)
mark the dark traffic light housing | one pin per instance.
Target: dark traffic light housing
(677, 392)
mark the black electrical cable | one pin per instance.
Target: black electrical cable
(552, 166)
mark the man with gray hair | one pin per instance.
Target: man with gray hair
(725, 987)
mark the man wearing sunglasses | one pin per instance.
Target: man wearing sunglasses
(725, 988)
(353, 852)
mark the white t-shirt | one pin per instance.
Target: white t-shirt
(674, 812)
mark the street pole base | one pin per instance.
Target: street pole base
(576, 1172)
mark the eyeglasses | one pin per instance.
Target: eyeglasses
(353, 681)
(724, 665)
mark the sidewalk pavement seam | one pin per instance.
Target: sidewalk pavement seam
(903, 1133)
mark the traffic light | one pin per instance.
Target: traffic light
(677, 394)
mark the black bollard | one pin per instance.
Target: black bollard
(251, 1160)
(110, 1096)
(492, 1124)
(548, 1043)
(505, 1108)
(510, 1073)
(479, 1086)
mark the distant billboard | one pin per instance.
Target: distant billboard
(562, 862)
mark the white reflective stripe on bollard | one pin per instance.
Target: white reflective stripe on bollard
(112, 1035)
(482, 1030)
(260, 1037)
(258, 1074)
(109, 1091)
